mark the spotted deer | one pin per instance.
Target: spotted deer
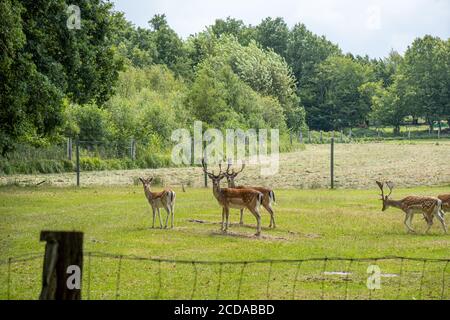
(164, 199)
(235, 198)
(268, 194)
(429, 206)
(445, 198)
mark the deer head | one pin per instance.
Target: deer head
(385, 198)
(215, 178)
(146, 182)
(232, 175)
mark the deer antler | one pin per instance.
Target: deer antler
(211, 173)
(242, 168)
(230, 162)
(204, 166)
(390, 185)
(380, 185)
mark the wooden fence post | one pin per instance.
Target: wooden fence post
(300, 137)
(321, 136)
(63, 265)
(309, 136)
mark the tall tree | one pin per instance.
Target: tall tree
(168, 44)
(341, 99)
(305, 51)
(273, 33)
(230, 26)
(426, 69)
(46, 61)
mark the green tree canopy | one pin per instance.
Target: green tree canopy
(43, 61)
(341, 100)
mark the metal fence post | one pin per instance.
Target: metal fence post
(205, 175)
(63, 265)
(332, 163)
(206, 168)
(321, 136)
(78, 162)
(300, 137)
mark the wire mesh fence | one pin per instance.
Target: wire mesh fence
(109, 276)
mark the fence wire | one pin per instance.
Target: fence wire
(110, 276)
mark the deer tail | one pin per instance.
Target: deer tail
(272, 195)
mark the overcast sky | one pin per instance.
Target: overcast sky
(372, 27)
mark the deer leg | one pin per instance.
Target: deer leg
(408, 220)
(255, 212)
(167, 208)
(429, 220)
(269, 209)
(159, 217)
(227, 214)
(223, 219)
(153, 220)
(440, 217)
(172, 215)
(241, 220)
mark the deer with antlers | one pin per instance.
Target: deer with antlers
(428, 206)
(268, 194)
(164, 199)
(235, 198)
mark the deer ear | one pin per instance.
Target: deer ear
(380, 184)
(142, 180)
(150, 179)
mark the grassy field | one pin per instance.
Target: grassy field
(311, 224)
(409, 163)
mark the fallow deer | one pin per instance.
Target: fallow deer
(445, 198)
(235, 198)
(164, 199)
(268, 194)
(428, 206)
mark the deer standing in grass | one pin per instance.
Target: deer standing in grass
(164, 199)
(268, 194)
(428, 206)
(445, 198)
(235, 198)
